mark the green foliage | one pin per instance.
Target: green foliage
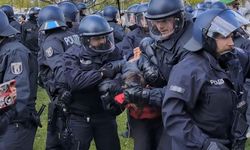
(193, 2)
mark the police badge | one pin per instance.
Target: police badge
(49, 52)
(16, 68)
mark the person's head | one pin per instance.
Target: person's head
(213, 31)
(8, 10)
(165, 18)
(130, 15)
(96, 34)
(6, 30)
(33, 13)
(51, 17)
(110, 13)
(21, 19)
(140, 15)
(70, 12)
(82, 8)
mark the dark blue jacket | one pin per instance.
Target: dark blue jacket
(18, 63)
(132, 40)
(82, 75)
(29, 35)
(50, 59)
(200, 98)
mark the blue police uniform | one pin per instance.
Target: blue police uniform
(88, 119)
(29, 35)
(118, 31)
(18, 63)
(202, 99)
(15, 24)
(156, 62)
(132, 40)
(50, 59)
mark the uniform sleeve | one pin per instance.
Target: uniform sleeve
(18, 69)
(126, 45)
(53, 52)
(119, 33)
(77, 77)
(181, 95)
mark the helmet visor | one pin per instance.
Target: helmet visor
(141, 20)
(100, 44)
(161, 29)
(226, 23)
(129, 19)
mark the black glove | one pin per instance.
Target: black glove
(65, 97)
(137, 95)
(113, 87)
(213, 145)
(107, 72)
(111, 105)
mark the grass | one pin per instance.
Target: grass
(42, 98)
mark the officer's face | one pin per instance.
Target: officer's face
(97, 41)
(144, 22)
(165, 26)
(224, 44)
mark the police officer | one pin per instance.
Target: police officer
(57, 39)
(29, 31)
(130, 17)
(132, 40)
(207, 87)
(111, 14)
(82, 10)
(8, 10)
(90, 116)
(18, 63)
(71, 15)
(169, 30)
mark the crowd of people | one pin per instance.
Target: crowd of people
(181, 73)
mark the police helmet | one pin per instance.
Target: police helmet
(70, 11)
(213, 22)
(110, 13)
(94, 27)
(81, 6)
(51, 17)
(199, 9)
(6, 29)
(218, 5)
(34, 11)
(8, 10)
(163, 11)
(140, 15)
(158, 9)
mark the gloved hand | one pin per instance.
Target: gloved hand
(111, 105)
(113, 87)
(65, 97)
(213, 145)
(107, 71)
(137, 95)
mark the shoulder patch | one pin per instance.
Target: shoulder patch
(177, 89)
(16, 68)
(49, 52)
